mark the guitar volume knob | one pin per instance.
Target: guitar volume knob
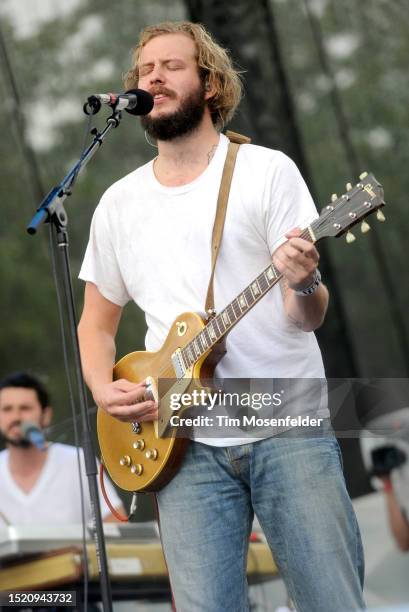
(125, 461)
(137, 469)
(139, 445)
(152, 454)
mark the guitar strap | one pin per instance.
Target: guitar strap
(235, 141)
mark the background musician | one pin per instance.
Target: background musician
(39, 487)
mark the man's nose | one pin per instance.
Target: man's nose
(157, 75)
(15, 413)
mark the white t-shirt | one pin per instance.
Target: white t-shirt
(152, 244)
(55, 497)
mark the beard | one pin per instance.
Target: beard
(21, 442)
(182, 121)
(17, 443)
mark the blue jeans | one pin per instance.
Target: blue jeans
(296, 488)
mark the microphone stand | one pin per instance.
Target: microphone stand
(52, 211)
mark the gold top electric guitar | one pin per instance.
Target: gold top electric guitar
(145, 456)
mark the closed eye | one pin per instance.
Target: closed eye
(144, 70)
(174, 65)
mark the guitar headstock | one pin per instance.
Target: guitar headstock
(344, 212)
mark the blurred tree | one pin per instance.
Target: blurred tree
(371, 90)
(248, 30)
(289, 86)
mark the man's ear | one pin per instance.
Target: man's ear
(46, 416)
(209, 90)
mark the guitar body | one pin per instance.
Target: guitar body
(129, 467)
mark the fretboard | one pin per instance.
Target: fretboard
(224, 321)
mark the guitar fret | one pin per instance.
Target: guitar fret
(255, 288)
(207, 338)
(221, 324)
(271, 274)
(242, 302)
(189, 359)
(231, 314)
(276, 272)
(265, 277)
(249, 296)
(263, 284)
(197, 347)
(212, 333)
(225, 318)
(204, 341)
(236, 307)
(185, 358)
(216, 327)
(200, 343)
(193, 350)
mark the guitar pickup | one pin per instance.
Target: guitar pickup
(178, 365)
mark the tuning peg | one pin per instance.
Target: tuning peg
(363, 175)
(350, 237)
(365, 227)
(380, 216)
(334, 197)
(348, 186)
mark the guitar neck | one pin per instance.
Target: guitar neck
(220, 325)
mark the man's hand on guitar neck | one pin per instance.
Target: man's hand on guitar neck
(297, 260)
(126, 401)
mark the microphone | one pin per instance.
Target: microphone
(33, 434)
(134, 101)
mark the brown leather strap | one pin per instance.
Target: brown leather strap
(236, 137)
(235, 141)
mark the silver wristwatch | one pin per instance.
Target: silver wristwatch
(313, 287)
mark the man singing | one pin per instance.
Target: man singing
(150, 242)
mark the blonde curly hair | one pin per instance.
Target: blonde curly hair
(214, 64)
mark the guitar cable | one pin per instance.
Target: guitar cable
(117, 515)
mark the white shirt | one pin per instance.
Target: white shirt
(152, 244)
(55, 497)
